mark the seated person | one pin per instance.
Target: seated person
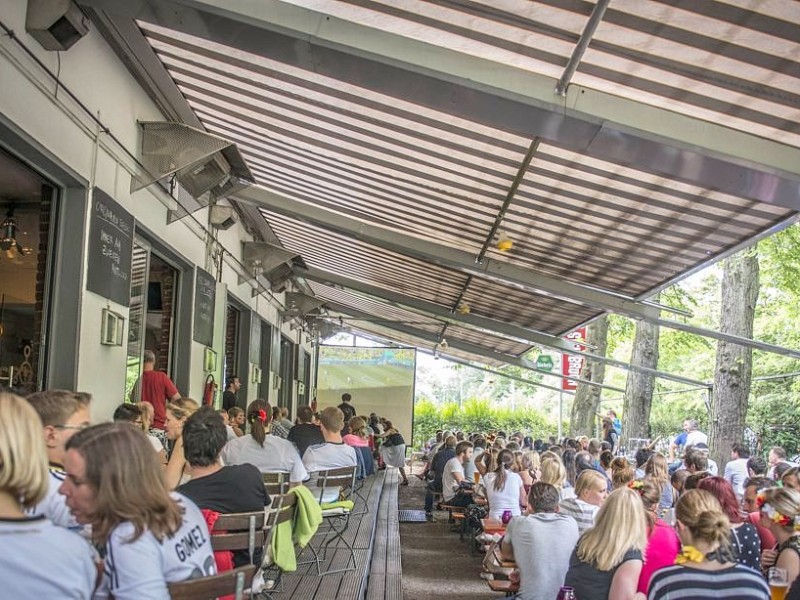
(229, 489)
(541, 543)
(276, 427)
(504, 488)
(132, 413)
(437, 464)
(39, 559)
(305, 433)
(62, 414)
(149, 536)
(269, 453)
(334, 453)
(454, 491)
(590, 492)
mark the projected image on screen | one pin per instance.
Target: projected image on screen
(380, 380)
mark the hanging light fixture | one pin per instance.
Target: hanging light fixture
(504, 243)
(8, 236)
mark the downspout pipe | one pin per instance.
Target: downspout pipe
(583, 43)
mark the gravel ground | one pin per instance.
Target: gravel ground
(436, 564)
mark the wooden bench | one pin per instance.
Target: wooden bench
(233, 582)
(503, 585)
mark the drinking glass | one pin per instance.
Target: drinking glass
(778, 583)
(477, 476)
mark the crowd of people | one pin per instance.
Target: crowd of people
(122, 509)
(654, 526)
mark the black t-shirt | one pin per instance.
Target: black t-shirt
(232, 489)
(589, 582)
(349, 412)
(228, 400)
(304, 435)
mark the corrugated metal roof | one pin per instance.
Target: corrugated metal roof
(417, 117)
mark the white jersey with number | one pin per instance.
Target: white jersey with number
(41, 560)
(141, 569)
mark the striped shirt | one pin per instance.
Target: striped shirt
(583, 512)
(687, 583)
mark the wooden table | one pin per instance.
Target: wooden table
(493, 526)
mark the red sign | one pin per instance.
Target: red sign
(571, 365)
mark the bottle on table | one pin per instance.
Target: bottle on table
(506, 517)
(566, 593)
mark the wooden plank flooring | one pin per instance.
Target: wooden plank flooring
(305, 584)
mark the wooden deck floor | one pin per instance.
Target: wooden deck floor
(376, 541)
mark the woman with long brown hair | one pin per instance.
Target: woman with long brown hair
(149, 536)
(504, 488)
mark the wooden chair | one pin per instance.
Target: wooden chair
(240, 531)
(209, 588)
(276, 484)
(343, 481)
(287, 505)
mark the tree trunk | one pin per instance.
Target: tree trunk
(733, 371)
(587, 397)
(639, 386)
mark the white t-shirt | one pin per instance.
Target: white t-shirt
(695, 437)
(41, 560)
(277, 454)
(321, 457)
(449, 483)
(736, 474)
(506, 498)
(54, 505)
(141, 570)
(155, 443)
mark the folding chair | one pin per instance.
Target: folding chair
(276, 484)
(341, 479)
(240, 531)
(208, 588)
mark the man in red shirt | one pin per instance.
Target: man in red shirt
(156, 388)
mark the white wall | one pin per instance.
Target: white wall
(57, 124)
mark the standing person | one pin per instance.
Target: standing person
(229, 395)
(776, 456)
(62, 414)
(736, 469)
(704, 568)
(690, 436)
(610, 434)
(156, 388)
(347, 409)
(267, 452)
(149, 536)
(305, 433)
(541, 543)
(393, 450)
(607, 561)
(33, 542)
(228, 489)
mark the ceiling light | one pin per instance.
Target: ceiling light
(504, 243)
(463, 308)
(8, 236)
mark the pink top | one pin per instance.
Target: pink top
(355, 441)
(662, 547)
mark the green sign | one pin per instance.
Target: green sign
(544, 362)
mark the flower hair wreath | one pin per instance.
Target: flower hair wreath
(774, 515)
(637, 486)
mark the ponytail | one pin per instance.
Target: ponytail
(713, 527)
(505, 460)
(258, 415)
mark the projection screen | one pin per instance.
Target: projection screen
(380, 380)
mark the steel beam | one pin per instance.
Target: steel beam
(467, 347)
(480, 323)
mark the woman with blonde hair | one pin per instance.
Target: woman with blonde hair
(177, 413)
(553, 472)
(622, 472)
(657, 468)
(705, 568)
(148, 414)
(607, 561)
(358, 436)
(530, 472)
(39, 559)
(148, 536)
(504, 489)
(590, 492)
(780, 513)
(236, 416)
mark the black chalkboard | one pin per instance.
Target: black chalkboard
(110, 249)
(205, 291)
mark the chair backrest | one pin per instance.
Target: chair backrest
(242, 531)
(342, 479)
(208, 588)
(276, 483)
(369, 462)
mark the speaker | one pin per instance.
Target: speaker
(56, 24)
(223, 217)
